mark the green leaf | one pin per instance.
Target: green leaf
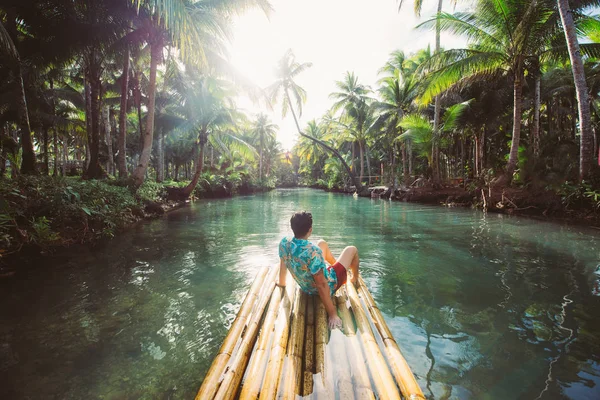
(86, 210)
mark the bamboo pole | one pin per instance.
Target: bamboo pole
(384, 382)
(256, 368)
(292, 380)
(309, 347)
(233, 376)
(211, 380)
(362, 382)
(321, 340)
(404, 377)
(282, 330)
(340, 365)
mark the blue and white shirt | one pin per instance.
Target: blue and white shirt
(303, 259)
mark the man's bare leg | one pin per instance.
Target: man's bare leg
(349, 259)
(326, 251)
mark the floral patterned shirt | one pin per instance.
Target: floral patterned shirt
(303, 259)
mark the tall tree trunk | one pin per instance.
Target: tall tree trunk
(362, 161)
(110, 163)
(357, 183)
(160, 170)
(176, 177)
(583, 101)
(437, 113)
(55, 146)
(536, 115)
(368, 163)
(65, 156)
(122, 140)
(410, 158)
(3, 141)
(88, 117)
(260, 162)
(94, 169)
(28, 161)
(46, 140)
(156, 48)
(202, 139)
(477, 163)
(513, 158)
(405, 169)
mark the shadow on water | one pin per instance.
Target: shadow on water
(482, 306)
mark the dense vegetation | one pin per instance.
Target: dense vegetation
(109, 106)
(106, 109)
(503, 110)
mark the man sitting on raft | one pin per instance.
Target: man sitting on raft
(306, 263)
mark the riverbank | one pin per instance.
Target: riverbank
(571, 203)
(43, 214)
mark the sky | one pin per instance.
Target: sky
(336, 36)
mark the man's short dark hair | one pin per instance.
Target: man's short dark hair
(301, 223)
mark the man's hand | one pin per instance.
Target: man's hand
(335, 322)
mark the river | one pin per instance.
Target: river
(483, 306)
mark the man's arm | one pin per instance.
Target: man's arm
(282, 273)
(325, 295)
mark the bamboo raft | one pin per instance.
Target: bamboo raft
(279, 346)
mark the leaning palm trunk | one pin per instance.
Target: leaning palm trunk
(156, 48)
(187, 191)
(587, 140)
(28, 160)
(357, 183)
(121, 145)
(28, 165)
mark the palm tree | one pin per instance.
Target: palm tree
(503, 35)
(350, 93)
(207, 108)
(196, 28)
(285, 87)
(418, 4)
(263, 130)
(397, 93)
(586, 149)
(353, 98)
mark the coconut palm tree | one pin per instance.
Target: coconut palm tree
(197, 28)
(207, 107)
(502, 36)
(284, 88)
(263, 130)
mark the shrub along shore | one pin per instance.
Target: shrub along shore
(41, 214)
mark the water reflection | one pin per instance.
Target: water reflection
(482, 305)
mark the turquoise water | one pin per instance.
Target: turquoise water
(483, 306)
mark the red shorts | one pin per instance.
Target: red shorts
(341, 273)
